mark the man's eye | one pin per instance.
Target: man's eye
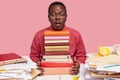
(62, 14)
(52, 14)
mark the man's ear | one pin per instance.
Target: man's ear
(66, 17)
(48, 17)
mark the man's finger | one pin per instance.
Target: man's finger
(75, 59)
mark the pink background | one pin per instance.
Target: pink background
(98, 21)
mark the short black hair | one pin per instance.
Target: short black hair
(56, 3)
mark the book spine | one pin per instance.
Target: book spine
(56, 71)
(56, 47)
(56, 37)
(56, 41)
(56, 56)
(13, 61)
(56, 64)
(57, 44)
(56, 52)
(56, 33)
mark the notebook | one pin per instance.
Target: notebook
(9, 58)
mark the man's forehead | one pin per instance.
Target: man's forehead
(57, 7)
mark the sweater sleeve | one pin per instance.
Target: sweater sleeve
(35, 53)
(80, 50)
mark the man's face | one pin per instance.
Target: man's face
(57, 17)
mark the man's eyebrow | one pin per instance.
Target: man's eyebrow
(62, 12)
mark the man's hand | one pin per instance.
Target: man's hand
(75, 67)
(38, 64)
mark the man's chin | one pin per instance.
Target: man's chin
(58, 28)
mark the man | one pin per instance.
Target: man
(57, 15)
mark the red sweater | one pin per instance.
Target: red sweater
(77, 48)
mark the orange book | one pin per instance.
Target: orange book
(9, 58)
(56, 70)
(56, 33)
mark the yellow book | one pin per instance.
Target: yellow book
(56, 47)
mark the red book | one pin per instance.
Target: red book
(56, 64)
(9, 58)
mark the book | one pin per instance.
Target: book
(56, 33)
(57, 44)
(57, 61)
(9, 58)
(48, 64)
(56, 52)
(56, 70)
(56, 47)
(56, 41)
(56, 56)
(56, 37)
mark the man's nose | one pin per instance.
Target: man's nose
(57, 17)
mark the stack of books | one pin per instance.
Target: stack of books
(14, 66)
(107, 66)
(56, 59)
(56, 64)
(56, 42)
